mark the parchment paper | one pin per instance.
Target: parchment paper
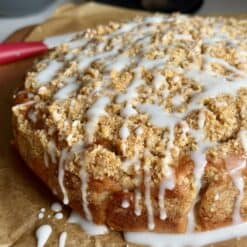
(22, 195)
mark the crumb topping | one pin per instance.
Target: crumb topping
(143, 94)
(162, 63)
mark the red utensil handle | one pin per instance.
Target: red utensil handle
(11, 52)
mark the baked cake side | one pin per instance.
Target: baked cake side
(143, 125)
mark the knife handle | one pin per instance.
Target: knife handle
(11, 52)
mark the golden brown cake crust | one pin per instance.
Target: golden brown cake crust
(139, 125)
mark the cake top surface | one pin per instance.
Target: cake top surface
(158, 84)
(158, 87)
(142, 95)
(155, 84)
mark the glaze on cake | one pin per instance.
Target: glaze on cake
(142, 126)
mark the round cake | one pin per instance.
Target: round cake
(142, 126)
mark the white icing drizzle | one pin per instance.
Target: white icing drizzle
(158, 81)
(183, 36)
(124, 132)
(131, 90)
(139, 131)
(243, 138)
(69, 88)
(239, 183)
(167, 183)
(69, 56)
(54, 41)
(94, 113)
(213, 86)
(42, 235)
(119, 63)
(89, 227)
(201, 120)
(56, 207)
(148, 199)
(62, 239)
(155, 19)
(235, 167)
(52, 151)
(49, 72)
(41, 215)
(58, 216)
(136, 163)
(22, 105)
(79, 148)
(125, 204)
(158, 116)
(242, 56)
(200, 161)
(42, 210)
(126, 27)
(189, 239)
(177, 100)
(138, 197)
(32, 115)
(150, 64)
(225, 64)
(46, 159)
(62, 161)
(216, 36)
(131, 93)
(77, 43)
(84, 187)
(217, 196)
(85, 62)
(128, 111)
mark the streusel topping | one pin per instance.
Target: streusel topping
(140, 95)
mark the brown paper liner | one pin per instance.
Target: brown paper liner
(22, 194)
